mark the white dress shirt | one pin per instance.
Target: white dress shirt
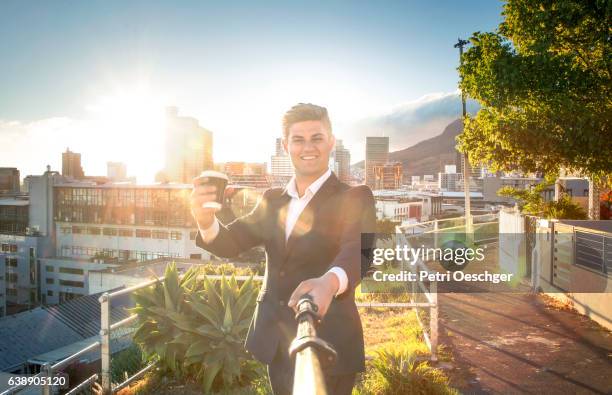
(296, 206)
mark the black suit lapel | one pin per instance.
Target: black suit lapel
(306, 220)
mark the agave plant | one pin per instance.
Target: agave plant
(153, 306)
(396, 371)
(198, 327)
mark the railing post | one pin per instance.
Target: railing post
(433, 320)
(105, 334)
(46, 368)
(436, 233)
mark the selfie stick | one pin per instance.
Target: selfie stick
(310, 351)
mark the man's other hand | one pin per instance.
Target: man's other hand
(321, 289)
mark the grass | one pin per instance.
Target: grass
(398, 356)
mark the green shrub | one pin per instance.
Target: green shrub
(396, 371)
(197, 328)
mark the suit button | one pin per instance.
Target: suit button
(282, 303)
(281, 273)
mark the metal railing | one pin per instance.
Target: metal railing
(430, 331)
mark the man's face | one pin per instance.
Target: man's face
(309, 145)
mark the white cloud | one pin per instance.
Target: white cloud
(30, 146)
(407, 123)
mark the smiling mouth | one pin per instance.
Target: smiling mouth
(308, 157)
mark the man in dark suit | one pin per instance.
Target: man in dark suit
(312, 232)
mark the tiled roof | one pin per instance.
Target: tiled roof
(38, 331)
(83, 314)
(31, 333)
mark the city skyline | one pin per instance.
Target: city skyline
(110, 70)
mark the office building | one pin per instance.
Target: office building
(244, 169)
(71, 165)
(279, 149)
(189, 148)
(407, 206)
(116, 171)
(281, 167)
(124, 221)
(9, 181)
(388, 175)
(341, 162)
(377, 153)
(27, 236)
(449, 181)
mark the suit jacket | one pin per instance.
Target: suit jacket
(328, 233)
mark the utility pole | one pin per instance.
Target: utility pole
(464, 158)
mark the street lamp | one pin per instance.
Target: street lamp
(464, 158)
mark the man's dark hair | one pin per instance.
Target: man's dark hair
(305, 112)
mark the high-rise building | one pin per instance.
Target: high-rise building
(116, 171)
(189, 147)
(377, 153)
(280, 163)
(342, 162)
(280, 150)
(388, 176)
(9, 181)
(71, 165)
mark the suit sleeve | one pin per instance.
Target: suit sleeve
(240, 235)
(357, 239)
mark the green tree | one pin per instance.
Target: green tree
(531, 201)
(543, 80)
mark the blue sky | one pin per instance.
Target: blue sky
(235, 66)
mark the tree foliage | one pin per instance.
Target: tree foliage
(531, 201)
(543, 80)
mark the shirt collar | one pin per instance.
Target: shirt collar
(312, 188)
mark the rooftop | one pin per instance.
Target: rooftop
(39, 331)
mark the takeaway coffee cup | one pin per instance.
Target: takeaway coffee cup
(217, 179)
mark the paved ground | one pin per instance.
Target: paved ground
(520, 343)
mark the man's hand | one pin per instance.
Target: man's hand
(201, 194)
(321, 289)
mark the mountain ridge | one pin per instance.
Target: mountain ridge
(427, 156)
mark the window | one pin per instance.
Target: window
(69, 283)
(77, 230)
(93, 231)
(176, 235)
(126, 232)
(13, 247)
(11, 262)
(159, 234)
(5, 248)
(70, 270)
(50, 281)
(11, 292)
(49, 268)
(49, 293)
(143, 233)
(110, 232)
(66, 230)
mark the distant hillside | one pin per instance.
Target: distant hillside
(428, 156)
